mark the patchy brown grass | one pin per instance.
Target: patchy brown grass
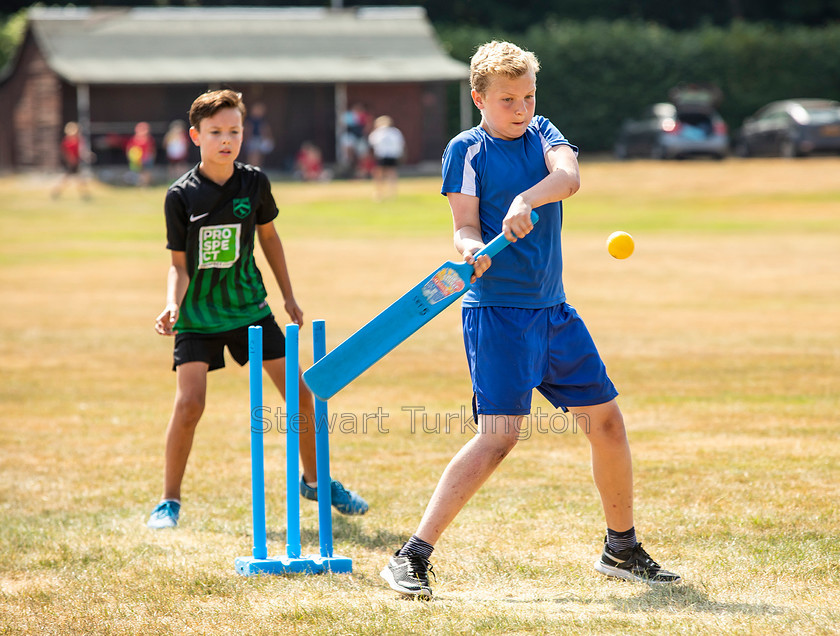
(722, 333)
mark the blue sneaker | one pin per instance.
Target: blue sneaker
(165, 515)
(345, 501)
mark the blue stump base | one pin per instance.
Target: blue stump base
(249, 566)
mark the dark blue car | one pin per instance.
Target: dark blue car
(791, 128)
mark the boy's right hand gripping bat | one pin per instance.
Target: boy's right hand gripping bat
(423, 302)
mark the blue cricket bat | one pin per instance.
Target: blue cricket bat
(383, 333)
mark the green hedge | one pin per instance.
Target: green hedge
(595, 74)
(11, 34)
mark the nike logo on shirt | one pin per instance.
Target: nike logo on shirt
(194, 217)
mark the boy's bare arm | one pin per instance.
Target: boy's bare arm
(563, 181)
(272, 247)
(177, 281)
(465, 219)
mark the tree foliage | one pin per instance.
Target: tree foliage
(595, 74)
(523, 14)
(598, 72)
(11, 34)
(518, 16)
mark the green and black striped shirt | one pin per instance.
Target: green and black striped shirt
(215, 225)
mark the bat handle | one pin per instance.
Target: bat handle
(500, 242)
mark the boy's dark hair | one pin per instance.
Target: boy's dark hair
(211, 102)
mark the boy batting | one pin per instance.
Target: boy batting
(519, 332)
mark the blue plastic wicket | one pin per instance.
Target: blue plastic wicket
(260, 563)
(292, 444)
(322, 449)
(255, 349)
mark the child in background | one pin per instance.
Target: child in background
(309, 163)
(140, 151)
(388, 146)
(176, 142)
(71, 160)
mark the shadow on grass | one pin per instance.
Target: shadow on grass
(677, 598)
(689, 597)
(345, 531)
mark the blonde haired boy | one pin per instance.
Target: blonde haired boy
(519, 332)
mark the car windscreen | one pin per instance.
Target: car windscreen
(818, 116)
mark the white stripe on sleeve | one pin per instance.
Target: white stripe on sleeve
(468, 181)
(546, 146)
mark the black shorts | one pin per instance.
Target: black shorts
(210, 347)
(70, 168)
(387, 162)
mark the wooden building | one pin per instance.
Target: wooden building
(109, 68)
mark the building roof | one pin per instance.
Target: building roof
(285, 45)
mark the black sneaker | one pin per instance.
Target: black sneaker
(409, 575)
(633, 564)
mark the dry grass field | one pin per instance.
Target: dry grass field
(722, 333)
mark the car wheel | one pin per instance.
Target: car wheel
(621, 151)
(742, 149)
(788, 149)
(658, 152)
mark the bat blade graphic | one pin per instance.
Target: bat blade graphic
(394, 324)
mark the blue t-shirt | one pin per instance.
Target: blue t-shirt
(528, 273)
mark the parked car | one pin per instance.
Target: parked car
(791, 128)
(665, 131)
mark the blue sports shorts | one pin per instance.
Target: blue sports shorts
(512, 351)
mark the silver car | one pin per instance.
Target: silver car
(664, 131)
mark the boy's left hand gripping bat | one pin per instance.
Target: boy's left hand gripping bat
(406, 315)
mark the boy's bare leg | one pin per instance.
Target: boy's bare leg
(190, 393)
(613, 471)
(612, 465)
(391, 181)
(276, 370)
(378, 183)
(83, 185)
(467, 471)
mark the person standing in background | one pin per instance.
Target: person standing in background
(140, 151)
(388, 146)
(177, 146)
(258, 139)
(71, 159)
